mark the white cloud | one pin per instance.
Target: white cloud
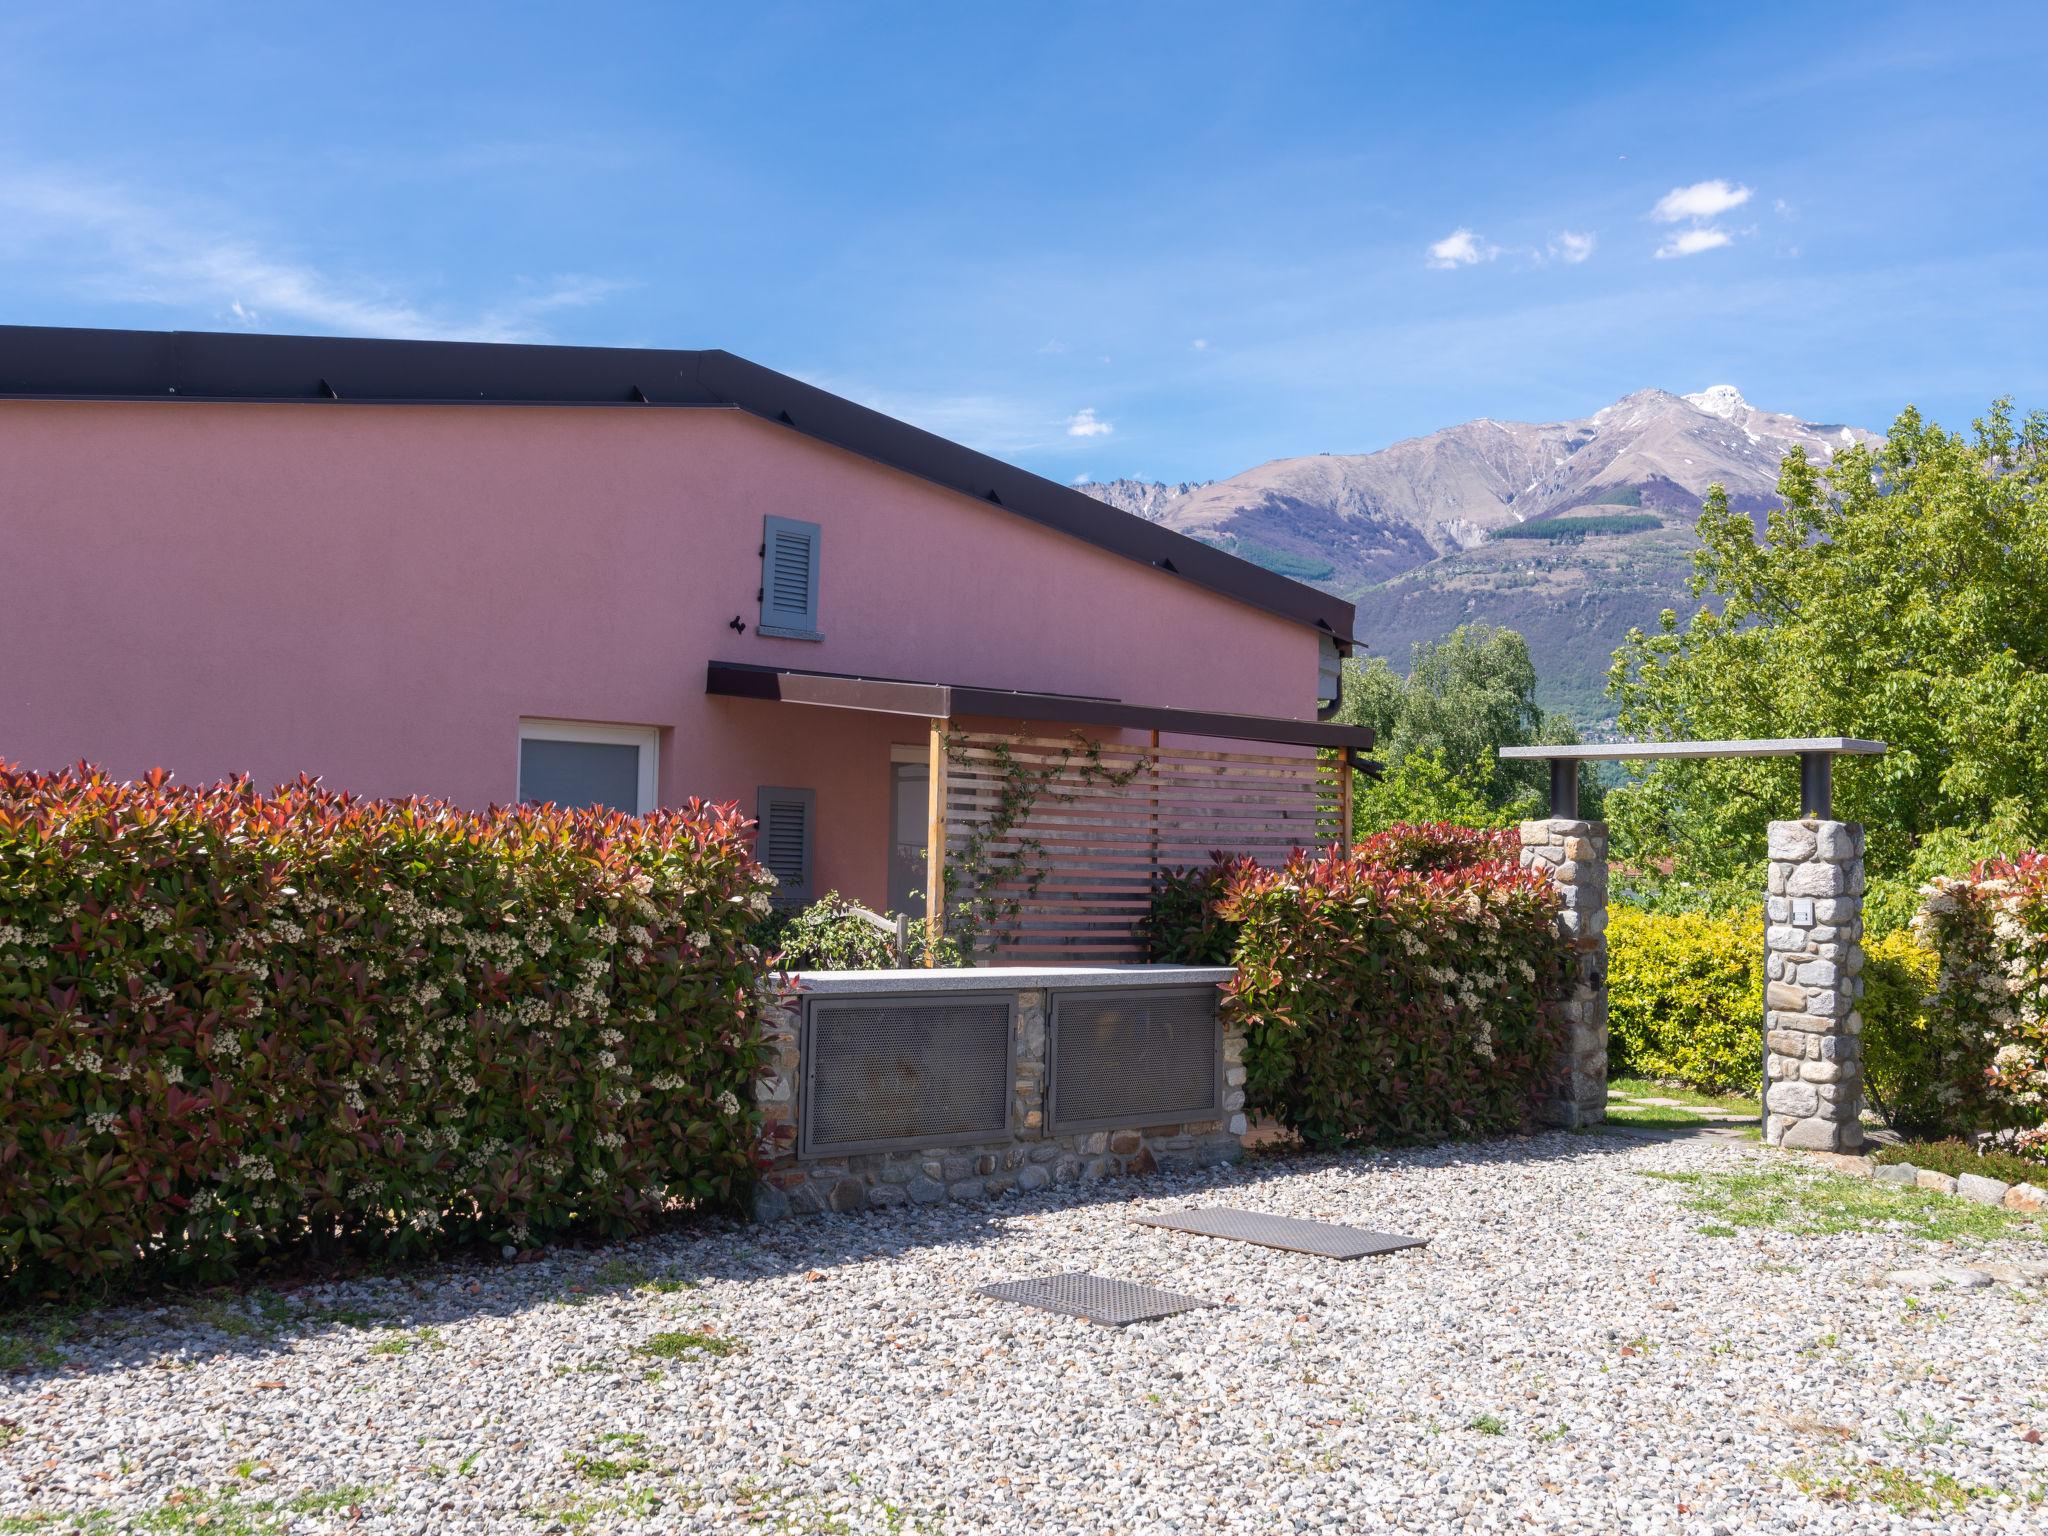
(1460, 248)
(124, 248)
(1572, 246)
(1054, 348)
(1085, 423)
(1701, 200)
(1200, 344)
(1690, 242)
(1084, 478)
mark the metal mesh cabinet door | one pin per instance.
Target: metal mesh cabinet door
(1135, 1057)
(892, 1072)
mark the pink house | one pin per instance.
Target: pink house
(593, 575)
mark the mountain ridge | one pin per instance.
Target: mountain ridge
(1433, 531)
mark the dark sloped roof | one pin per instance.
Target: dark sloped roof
(65, 363)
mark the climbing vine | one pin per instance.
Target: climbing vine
(1000, 865)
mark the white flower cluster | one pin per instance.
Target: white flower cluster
(1993, 943)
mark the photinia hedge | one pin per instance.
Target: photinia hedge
(232, 1023)
(1990, 1003)
(1398, 1002)
(1185, 925)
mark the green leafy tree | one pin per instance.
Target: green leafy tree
(1440, 729)
(1421, 788)
(1900, 593)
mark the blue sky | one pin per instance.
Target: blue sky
(1165, 240)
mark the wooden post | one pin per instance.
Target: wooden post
(935, 848)
(1152, 776)
(1345, 774)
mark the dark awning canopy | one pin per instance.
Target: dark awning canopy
(941, 701)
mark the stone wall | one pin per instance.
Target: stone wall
(1574, 855)
(1812, 978)
(1032, 1159)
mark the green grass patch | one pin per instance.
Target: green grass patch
(189, 1512)
(1657, 1117)
(1651, 1088)
(327, 1500)
(1825, 1203)
(1957, 1158)
(577, 1514)
(257, 1313)
(1488, 1424)
(1898, 1490)
(607, 1469)
(1663, 1116)
(406, 1343)
(30, 1351)
(680, 1345)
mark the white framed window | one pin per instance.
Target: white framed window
(577, 764)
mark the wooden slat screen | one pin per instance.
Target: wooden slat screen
(1098, 842)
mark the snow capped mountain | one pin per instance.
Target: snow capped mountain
(1723, 400)
(1440, 530)
(1372, 516)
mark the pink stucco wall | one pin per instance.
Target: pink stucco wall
(378, 594)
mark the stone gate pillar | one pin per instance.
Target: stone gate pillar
(1813, 964)
(1574, 854)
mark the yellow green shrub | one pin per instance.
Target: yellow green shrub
(1922, 1070)
(1685, 998)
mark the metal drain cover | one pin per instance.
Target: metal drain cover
(1289, 1232)
(1112, 1303)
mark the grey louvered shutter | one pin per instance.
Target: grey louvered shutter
(783, 845)
(789, 579)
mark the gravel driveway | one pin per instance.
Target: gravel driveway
(1570, 1352)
